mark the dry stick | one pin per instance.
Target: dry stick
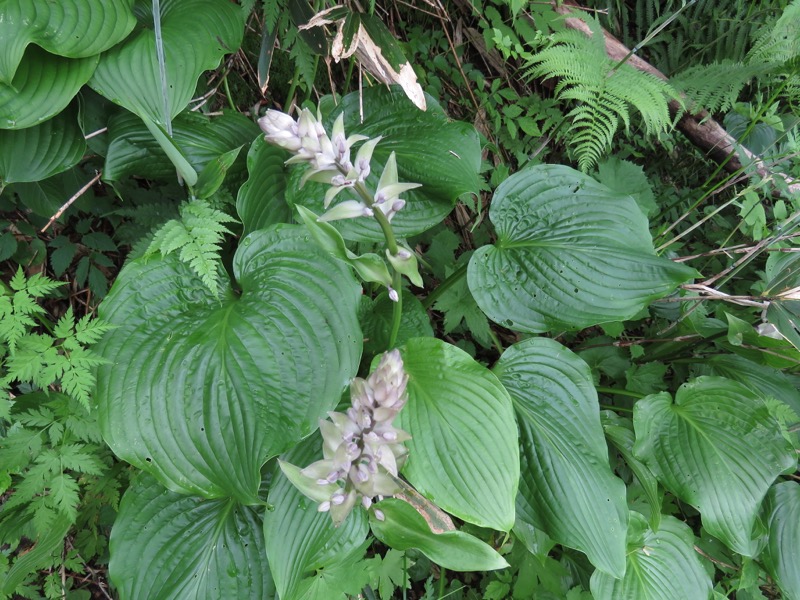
(69, 202)
(700, 128)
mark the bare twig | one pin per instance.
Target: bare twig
(69, 202)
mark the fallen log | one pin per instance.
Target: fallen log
(700, 128)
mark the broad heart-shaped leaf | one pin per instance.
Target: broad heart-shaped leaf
(201, 391)
(763, 381)
(42, 87)
(716, 448)
(260, 202)
(463, 454)
(783, 548)
(300, 540)
(661, 565)
(71, 28)
(442, 155)
(567, 488)
(132, 150)
(570, 253)
(403, 528)
(196, 35)
(166, 545)
(41, 151)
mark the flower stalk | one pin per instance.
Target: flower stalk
(329, 162)
(362, 450)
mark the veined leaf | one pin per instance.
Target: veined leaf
(717, 448)
(261, 201)
(570, 253)
(300, 541)
(196, 35)
(201, 391)
(38, 152)
(442, 155)
(71, 28)
(165, 545)
(132, 149)
(403, 528)
(780, 555)
(463, 454)
(42, 87)
(661, 565)
(567, 488)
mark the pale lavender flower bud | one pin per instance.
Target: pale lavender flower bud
(390, 436)
(338, 498)
(366, 502)
(324, 506)
(379, 515)
(393, 295)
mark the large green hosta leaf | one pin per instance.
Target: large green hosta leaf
(567, 488)
(42, 87)
(196, 35)
(132, 149)
(38, 152)
(783, 549)
(463, 454)
(300, 540)
(717, 448)
(260, 202)
(201, 391)
(71, 28)
(570, 253)
(443, 155)
(661, 565)
(165, 545)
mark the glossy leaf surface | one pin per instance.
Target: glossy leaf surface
(165, 545)
(132, 150)
(71, 28)
(196, 35)
(783, 548)
(463, 454)
(717, 448)
(404, 528)
(299, 539)
(570, 253)
(261, 201)
(35, 153)
(442, 155)
(661, 565)
(42, 87)
(201, 391)
(567, 488)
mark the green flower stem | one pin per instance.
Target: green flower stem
(397, 309)
(391, 243)
(453, 279)
(618, 392)
(386, 226)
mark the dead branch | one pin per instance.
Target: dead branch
(701, 129)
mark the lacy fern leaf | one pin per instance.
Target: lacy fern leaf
(603, 90)
(715, 87)
(197, 236)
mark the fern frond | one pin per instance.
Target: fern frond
(781, 43)
(197, 235)
(715, 87)
(604, 91)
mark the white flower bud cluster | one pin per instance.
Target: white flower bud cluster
(362, 448)
(330, 162)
